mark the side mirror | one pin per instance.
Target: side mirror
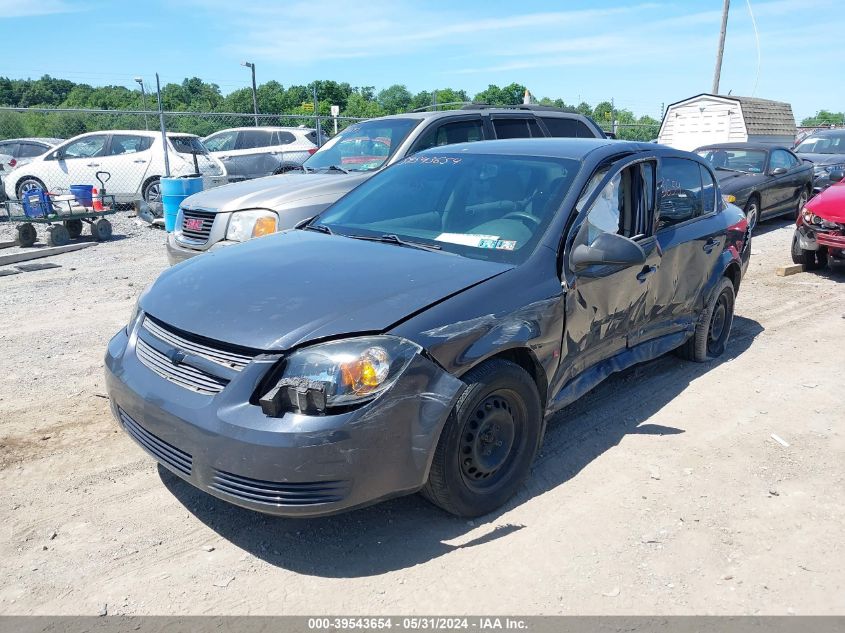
(836, 175)
(608, 249)
(778, 171)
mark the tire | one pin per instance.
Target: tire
(803, 197)
(26, 235)
(57, 235)
(488, 443)
(714, 326)
(752, 212)
(27, 184)
(152, 191)
(101, 230)
(74, 228)
(809, 259)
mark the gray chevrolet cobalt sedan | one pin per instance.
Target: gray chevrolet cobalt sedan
(417, 334)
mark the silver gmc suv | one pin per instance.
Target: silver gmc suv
(240, 211)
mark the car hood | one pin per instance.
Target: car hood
(275, 292)
(273, 192)
(731, 182)
(830, 204)
(823, 159)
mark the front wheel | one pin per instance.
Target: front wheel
(489, 441)
(28, 185)
(752, 214)
(713, 327)
(809, 259)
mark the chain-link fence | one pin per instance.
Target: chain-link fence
(131, 162)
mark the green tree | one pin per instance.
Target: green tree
(394, 99)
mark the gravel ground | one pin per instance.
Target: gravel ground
(661, 492)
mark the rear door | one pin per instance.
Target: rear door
(251, 157)
(127, 160)
(690, 243)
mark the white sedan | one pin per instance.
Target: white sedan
(133, 159)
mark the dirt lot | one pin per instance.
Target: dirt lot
(661, 492)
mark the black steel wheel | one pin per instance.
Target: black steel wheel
(101, 229)
(74, 228)
(488, 443)
(26, 234)
(57, 235)
(713, 327)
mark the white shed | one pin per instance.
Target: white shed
(706, 119)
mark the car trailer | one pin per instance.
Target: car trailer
(64, 216)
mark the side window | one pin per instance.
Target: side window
(29, 150)
(8, 148)
(221, 142)
(680, 192)
(312, 136)
(793, 160)
(511, 128)
(456, 132)
(87, 147)
(284, 138)
(534, 127)
(128, 144)
(566, 128)
(251, 139)
(708, 191)
(780, 158)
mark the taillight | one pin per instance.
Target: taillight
(13, 162)
(312, 151)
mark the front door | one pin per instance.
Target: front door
(606, 305)
(76, 162)
(126, 162)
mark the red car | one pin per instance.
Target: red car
(820, 229)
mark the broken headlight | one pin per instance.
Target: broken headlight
(338, 374)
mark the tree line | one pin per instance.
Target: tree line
(195, 95)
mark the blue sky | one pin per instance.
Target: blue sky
(642, 54)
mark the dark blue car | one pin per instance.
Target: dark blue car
(417, 334)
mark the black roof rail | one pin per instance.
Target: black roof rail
(440, 105)
(519, 106)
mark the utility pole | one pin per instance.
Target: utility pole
(163, 129)
(140, 81)
(251, 66)
(717, 74)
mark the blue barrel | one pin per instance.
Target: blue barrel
(83, 194)
(173, 192)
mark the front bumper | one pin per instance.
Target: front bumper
(296, 465)
(177, 252)
(811, 239)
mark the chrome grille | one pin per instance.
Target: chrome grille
(206, 219)
(181, 374)
(278, 493)
(158, 448)
(221, 357)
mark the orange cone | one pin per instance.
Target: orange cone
(98, 201)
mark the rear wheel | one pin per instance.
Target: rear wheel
(74, 228)
(26, 234)
(488, 443)
(152, 191)
(811, 260)
(752, 213)
(101, 230)
(714, 326)
(57, 235)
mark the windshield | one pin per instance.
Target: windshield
(363, 146)
(188, 145)
(822, 145)
(479, 206)
(752, 161)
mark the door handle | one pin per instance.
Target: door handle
(710, 244)
(93, 165)
(139, 161)
(645, 272)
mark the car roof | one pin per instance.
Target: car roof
(151, 133)
(471, 112)
(834, 132)
(267, 128)
(33, 139)
(755, 146)
(549, 147)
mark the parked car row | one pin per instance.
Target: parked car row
(438, 301)
(215, 219)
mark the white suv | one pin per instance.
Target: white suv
(252, 152)
(134, 159)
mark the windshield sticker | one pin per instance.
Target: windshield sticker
(502, 245)
(465, 239)
(432, 160)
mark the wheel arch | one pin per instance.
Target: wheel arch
(526, 359)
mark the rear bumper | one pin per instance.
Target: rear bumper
(296, 465)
